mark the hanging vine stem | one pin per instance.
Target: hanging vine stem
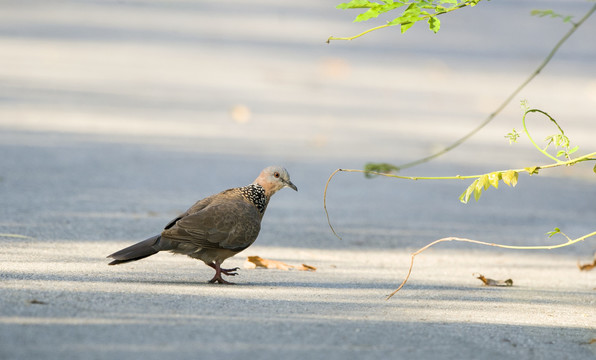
(16, 236)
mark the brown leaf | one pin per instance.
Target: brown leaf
(586, 267)
(492, 282)
(253, 262)
(305, 267)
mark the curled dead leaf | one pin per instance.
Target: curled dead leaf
(588, 266)
(253, 262)
(305, 267)
(492, 282)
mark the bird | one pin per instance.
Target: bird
(216, 227)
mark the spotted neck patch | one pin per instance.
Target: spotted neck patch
(255, 193)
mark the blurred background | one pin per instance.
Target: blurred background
(117, 115)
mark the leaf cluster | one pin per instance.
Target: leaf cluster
(558, 140)
(512, 136)
(483, 182)
(414, 11)
(561, 140)
(509, 177)
(552, 14)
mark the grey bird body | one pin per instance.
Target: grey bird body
(215, 228)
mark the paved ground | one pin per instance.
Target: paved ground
(116, 116)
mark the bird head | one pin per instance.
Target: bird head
(274, 178)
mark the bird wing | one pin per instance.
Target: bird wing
(198, 206)
(232, 224)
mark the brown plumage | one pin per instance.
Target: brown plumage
(217, 227)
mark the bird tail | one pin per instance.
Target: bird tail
(138, 251)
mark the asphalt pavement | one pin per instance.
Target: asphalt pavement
(117, 116)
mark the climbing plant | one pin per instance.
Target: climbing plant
(558, 147)
(424, 10)
(562, 156)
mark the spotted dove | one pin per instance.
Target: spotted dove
(215, 228)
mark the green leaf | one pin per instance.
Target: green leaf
(374, 9)
(406, 26)
(465, 196)
(369, 14)
(493, 179)
(410, 16)
(483, 182)
(573, 150)
(552, 14)
(554, 232)
(434, 24)
(542, 13)
(356, 4)
(383, 168)
(512, 136)
(477, 192)
(532, 170)
(510, 177)
(560, 153)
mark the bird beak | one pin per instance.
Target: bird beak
(290, 185)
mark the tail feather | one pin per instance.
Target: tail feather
(137, 251)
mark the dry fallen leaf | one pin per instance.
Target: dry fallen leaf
(492, 282)
(305, 267)
(588, 266)
(253, 262)
(592, 341)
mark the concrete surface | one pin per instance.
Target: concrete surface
(116, 116)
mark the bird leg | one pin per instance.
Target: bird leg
(219, 271)
(229, 272)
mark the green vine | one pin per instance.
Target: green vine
(483, 182)
(427, 10)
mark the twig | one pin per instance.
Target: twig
(357, 36)
(16, 236)
(545, 247)
(325, 202)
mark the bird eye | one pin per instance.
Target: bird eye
(276, 174)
